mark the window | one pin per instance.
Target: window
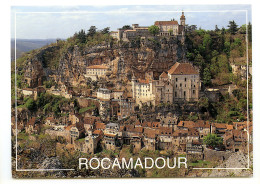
(175, 94)
(176, 79)
(193, 91)
(184, 93)
(185, 79)
(180, 85)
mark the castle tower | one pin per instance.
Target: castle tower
(182, 19)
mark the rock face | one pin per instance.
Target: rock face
(51, 163)
(150, 55)
(236, 160)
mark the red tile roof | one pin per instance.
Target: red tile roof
(110, 135)
(32, 121)
(143, 81)
(101, 126)
(164, 23)
(150, 133)
(182, 69)
(163, 75)
(220, 125)
(180, 133)
(186, 124)
(202, 124)
(97, 67)
(98, 132)
(165, 131)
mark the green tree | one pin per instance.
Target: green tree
(207, 77)
(213, 140)
(170, 31)
(153, 29)
(242, 29)
(30, 104)
(92, 31)
(125, 27)
(81, 36)
(216, 28)
(105, 30)
(233, 27)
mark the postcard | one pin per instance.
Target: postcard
(132, 91)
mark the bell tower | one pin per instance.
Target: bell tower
(182, 19)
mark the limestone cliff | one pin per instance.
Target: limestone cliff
(148, 55)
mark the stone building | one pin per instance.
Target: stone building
(110, 141)
(92, 141)
(186, 82)
(168, 28)
(77, 131)
(203, 127)
(163, 89)
(129, 34)
(33, 126)
(142, 91)
(103, 93)
(194, 150)
(96, 71)
(165, 138)
(236, 141)
(181, 83)
(150, 139)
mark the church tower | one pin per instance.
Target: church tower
(182, 19)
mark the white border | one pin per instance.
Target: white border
(87, 12)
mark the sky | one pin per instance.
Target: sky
(48, 22)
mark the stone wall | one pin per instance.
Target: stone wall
(213, 155)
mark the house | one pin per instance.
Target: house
(110, 141)
(103, 93)
(179, 140)
(185, 125)
(104, 108)
(27, 91)
(165, 138)
(127, 133)
(75, 118)
(89, 122)
(194, 150)
(168, 120)
(219, 128)
(96, 71)
(77, 131)
(136, 143)
(203, 127)
(142, 91)
(129, 34)
(236, 141)
(150, 139)
(50, 121)
(100, 126)
(126, 106)
(112, 128)
(33, 126)
(193, 134)
(92, 141)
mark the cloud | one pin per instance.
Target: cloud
(73, 18)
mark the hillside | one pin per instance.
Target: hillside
(26, 45)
